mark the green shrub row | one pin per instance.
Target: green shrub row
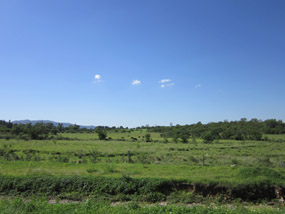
(147, 188)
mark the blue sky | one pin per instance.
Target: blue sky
(220, 60)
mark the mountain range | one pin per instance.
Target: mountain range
(33, 122)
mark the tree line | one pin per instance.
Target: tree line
(237, 130)
(41, 131)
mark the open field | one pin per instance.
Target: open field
(84, 154)
(86, 148)
(193, 172)
(197, 174)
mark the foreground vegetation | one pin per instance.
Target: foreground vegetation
(91, 206)
(257, 184)
(174, 165)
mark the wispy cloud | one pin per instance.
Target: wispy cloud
(170, 84)
(166, 83)
(165, 80)
(198, 86)
(136, 82)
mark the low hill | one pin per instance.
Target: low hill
(33, 122)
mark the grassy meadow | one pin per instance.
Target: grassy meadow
(224, 166)
(86, 149)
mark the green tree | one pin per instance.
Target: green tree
(184, 135)
(147, 137)
(175, 135)
(208, 137)
(255, 135)
(60, 127)
(102, 134)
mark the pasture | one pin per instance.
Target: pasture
(131, 148)
(223, 166)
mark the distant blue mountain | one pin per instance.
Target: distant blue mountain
(33, 122)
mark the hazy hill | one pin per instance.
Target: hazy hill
(48, 121)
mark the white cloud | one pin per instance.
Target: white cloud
(97, 77)
(166, 83)
(165, 80)
(136, 82)
(198, 86)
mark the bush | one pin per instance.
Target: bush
(147, 138)
(101, 134)
(208, 137)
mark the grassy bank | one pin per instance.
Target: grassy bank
(248, 184)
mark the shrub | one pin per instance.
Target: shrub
(148, 138)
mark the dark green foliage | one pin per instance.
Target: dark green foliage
(39, 131)
(102, 134)
(180, 133)
(208, 137)
(274, 127)
(147, 137)
(236, 130)
(151, 190)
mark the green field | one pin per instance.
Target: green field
(84, 154)
(81, 148)
(223, 165)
